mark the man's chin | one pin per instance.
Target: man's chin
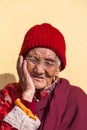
(39, 85)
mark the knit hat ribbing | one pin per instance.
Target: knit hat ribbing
(45, 35)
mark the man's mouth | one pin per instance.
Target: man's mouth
(37, 77)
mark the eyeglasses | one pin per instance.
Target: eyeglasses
(48, 62)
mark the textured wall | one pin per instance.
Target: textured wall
(70, 16)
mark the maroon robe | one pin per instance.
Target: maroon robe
(65, 108)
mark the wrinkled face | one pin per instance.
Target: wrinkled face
(42, 64)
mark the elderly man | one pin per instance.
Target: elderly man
(41, 100)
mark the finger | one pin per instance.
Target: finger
(27, 76)
(19, 67)
(20, 61)
(25, 71)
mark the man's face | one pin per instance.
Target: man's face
(42, 65)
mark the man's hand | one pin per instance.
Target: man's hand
(25, 80)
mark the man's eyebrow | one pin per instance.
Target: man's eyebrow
(46, 59)
(50, 59)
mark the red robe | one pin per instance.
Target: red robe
(65, 108)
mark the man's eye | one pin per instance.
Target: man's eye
(49, 63)
(32, 60)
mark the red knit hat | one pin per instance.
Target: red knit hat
(45, 35)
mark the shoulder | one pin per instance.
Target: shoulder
(65, 89)
(64, 84)
(70, 98)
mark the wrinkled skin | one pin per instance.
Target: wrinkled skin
(37, 70)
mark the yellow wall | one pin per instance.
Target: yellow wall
(70, 16)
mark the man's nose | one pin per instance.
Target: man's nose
(39, 68)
